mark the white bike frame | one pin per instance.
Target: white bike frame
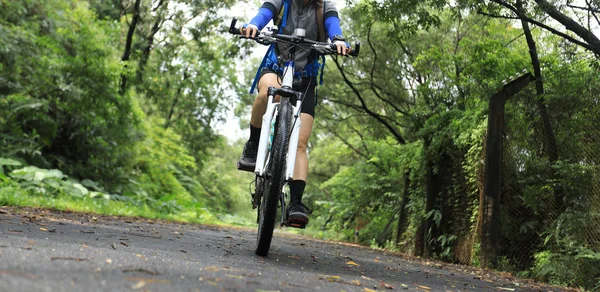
(267, 119)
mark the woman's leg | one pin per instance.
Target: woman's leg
(301, 168)
(248, 160)
(297, 212)
(260, 103)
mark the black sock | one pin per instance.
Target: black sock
(254, 134)
(296, 191)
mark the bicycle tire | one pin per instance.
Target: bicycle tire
(276, 179)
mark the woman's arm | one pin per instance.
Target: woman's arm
(332, 26)
(263, 17)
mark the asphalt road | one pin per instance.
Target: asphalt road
(44, 250)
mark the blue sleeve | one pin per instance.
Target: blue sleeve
(332, 26)
(262, 18)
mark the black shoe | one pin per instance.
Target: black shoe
(248, 160)
(298, 215)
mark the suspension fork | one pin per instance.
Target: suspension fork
(287, 94)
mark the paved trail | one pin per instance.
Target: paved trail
(59, 251)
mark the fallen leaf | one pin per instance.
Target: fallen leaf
(234, 276)
(139, 285)
(68, 259)
(333, 278)
(140, 270)
(114, 245)
(148, 280)
(140, 256)
(85, 245)
(212, 269)
(387, 286)
(507, 289)
(43, 229)
(355, 282)
(123, 243)
(352, 263)
(424, 287)
(183, 251)
(108, 261)
(368, 290)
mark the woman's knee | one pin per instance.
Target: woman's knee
(266, 81)
(302, 146)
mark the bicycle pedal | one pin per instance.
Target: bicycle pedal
(242, 168)
(294, 224)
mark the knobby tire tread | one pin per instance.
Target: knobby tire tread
(273, 188)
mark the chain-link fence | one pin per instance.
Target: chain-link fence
(549, 213)
(546, 221)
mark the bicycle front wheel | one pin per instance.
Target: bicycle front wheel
(275, 179)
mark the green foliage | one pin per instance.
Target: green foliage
(53, 183)
(72, 131)
(432, 90)
(81, 128)
(60, 90)
(577, 267)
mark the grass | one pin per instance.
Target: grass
(13, 195)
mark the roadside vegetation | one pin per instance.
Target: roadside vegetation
(110, 107)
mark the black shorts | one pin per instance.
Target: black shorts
(304, 85)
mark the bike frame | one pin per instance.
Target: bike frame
(285, 93)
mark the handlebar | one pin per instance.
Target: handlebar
(267, 38)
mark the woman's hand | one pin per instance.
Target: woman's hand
(342, 47)
(249, 30)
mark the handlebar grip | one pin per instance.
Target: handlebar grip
(355, 50)
(232, 28)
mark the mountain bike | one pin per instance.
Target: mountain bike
(278, 141)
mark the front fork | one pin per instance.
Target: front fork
(263, 145)
(265, 131)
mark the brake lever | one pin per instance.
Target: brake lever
(232, 28)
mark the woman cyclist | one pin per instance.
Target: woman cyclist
(296, 14)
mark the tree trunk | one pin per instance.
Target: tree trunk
(549, 139)
(327, 222)
(129, 44)
(585, 34)
(176, 99)
(149, 44)
(385, 234)
(431, 191)
(402, 212)
(420, 240)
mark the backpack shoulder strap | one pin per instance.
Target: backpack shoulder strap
(279, 18)
(319, 8)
